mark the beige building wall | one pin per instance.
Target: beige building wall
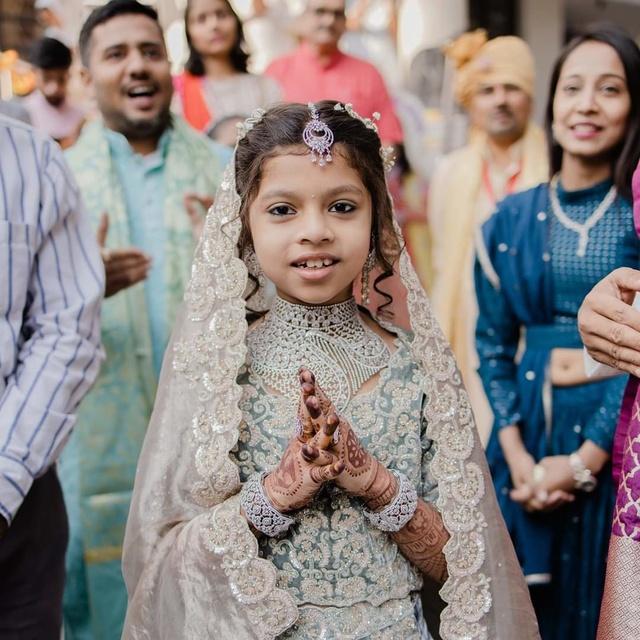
(543, 25)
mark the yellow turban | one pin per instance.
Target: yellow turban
(503, 60)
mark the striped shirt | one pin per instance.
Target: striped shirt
(51, 286)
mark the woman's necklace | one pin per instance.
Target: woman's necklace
(332, 341)
(581, 228)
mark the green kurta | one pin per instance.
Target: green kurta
(99, 464)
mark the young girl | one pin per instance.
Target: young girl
(274, 501)
(540, 255)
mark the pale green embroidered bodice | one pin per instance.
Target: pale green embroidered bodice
(333, 556)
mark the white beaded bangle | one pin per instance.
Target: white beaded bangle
(583, 479)
(259, 511)
(401, 509)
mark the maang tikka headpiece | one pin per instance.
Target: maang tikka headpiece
(318, 137)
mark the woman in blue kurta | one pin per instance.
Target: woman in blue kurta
(537, 258)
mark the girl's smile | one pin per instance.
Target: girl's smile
(311, 236)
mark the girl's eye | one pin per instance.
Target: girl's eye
(570, 89)
(611, 90)
(281, 210)
(342, 207)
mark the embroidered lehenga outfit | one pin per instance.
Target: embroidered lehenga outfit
(194, 568)
(532, 273)
(346, 576)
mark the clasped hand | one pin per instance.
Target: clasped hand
(325, 449)
(542, 487)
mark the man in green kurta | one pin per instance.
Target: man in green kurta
(140, 171)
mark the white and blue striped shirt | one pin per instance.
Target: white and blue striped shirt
(51, 286)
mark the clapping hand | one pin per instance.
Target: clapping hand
(123, 267)
(196, 207)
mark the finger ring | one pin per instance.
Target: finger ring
(336, 435)
(538, 473)
(298, 427)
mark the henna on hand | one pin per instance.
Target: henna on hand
(305, 466)
(299, 476)
(422, 539)
(383, 489)
(361, 469)
(363, 475)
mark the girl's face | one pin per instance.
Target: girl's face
(311, 227)
(212, 27)
(592, 103)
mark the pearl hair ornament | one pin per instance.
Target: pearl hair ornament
(318, 136)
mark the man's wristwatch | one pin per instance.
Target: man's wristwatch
(583, 478)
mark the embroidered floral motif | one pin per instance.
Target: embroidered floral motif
(460, 481)
(394, 620)
(209, 357)
(627, 509)
(251, 579)
(333, 556)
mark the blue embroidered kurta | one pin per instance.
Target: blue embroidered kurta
(530, 283)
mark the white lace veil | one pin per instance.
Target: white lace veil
(191, 563)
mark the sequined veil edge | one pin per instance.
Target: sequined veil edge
(186, 477)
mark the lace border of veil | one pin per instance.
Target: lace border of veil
(209, 348)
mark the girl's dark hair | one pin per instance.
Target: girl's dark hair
(237, 55)
(282, 127)
(624, 157)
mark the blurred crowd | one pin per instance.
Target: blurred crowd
(509, 226)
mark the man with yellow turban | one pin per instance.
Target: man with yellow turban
(506, 153)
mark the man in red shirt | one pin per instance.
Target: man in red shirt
(318, 70)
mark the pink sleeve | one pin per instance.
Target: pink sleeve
(274, 70)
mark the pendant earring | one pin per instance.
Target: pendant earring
(366, 271)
